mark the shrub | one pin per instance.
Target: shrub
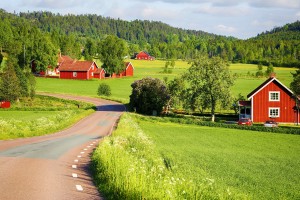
(104, 90)
(149, 95)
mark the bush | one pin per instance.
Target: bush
(104, 90)
(149, 95)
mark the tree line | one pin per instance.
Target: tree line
(46, 33)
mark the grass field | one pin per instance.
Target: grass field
(260, 165)
(40, 116)
(121, 88)
(212, 163)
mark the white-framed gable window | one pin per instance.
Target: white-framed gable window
(274, 112)
(74, 74)
(274, 96)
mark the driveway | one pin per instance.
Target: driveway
(56, 166)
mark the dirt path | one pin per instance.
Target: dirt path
(56, 166)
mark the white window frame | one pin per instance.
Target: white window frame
(274, 92)
(74, 74)
(276, 109)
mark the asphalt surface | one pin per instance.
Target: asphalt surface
(56, 166)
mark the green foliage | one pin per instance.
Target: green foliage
(235, 106)
(149, 95)
(71, 32)
(270, 70)
(295, 84)
(176, 89)
(112, 53)
(104, 90)
(209, 83)
(10, 89)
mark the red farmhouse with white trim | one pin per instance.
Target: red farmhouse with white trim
(143, 55)
(270, 100)
(77, 69)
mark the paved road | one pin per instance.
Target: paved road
(56, 166)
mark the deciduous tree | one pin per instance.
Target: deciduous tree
(112, 53)
(209, 83)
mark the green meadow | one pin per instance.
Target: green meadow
(121, 89)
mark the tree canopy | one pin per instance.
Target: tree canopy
(209, 83)
(112, 54)
(149, 95)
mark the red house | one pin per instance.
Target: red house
(143, 55)
(128, 71)
(77, 69)
(270, 100)
(100, 73)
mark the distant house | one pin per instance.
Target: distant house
(75, 69)
(270, 100)
(143, 55)
(100, 73)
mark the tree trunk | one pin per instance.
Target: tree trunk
(213, 107)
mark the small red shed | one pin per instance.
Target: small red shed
(77, 69)
(128, 71)
(100, 73)
(273, 100)
(143, 55)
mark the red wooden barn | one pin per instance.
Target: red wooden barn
(77, 69)
(270, 100)
(128, 71)
(143, 55)
(100, 73)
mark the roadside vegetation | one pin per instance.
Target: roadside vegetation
(147, 158)
(39, 116)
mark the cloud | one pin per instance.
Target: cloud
(53, 4)
(227, 29)
(290, 4)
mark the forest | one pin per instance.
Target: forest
(40, 36)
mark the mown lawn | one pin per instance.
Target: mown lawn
(260, 165)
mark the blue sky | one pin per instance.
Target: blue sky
(239, 18)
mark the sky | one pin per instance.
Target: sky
(238, 18)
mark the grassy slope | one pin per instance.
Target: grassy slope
(261, 165)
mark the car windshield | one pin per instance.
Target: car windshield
(244, 120)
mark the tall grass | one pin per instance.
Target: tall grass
(40, 116)
(127, 165)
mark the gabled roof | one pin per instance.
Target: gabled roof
(76, 65)
(99, 70)
(62, 59)
(267, 82)
(127, 65)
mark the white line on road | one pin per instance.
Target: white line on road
(74, 175)
(79, 187)
(74, 166)
(85, 149)
(88, 146)
(82, 152)
(76, 160)
(79, 156)
(91, 144)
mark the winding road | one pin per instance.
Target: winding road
(56, 166)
